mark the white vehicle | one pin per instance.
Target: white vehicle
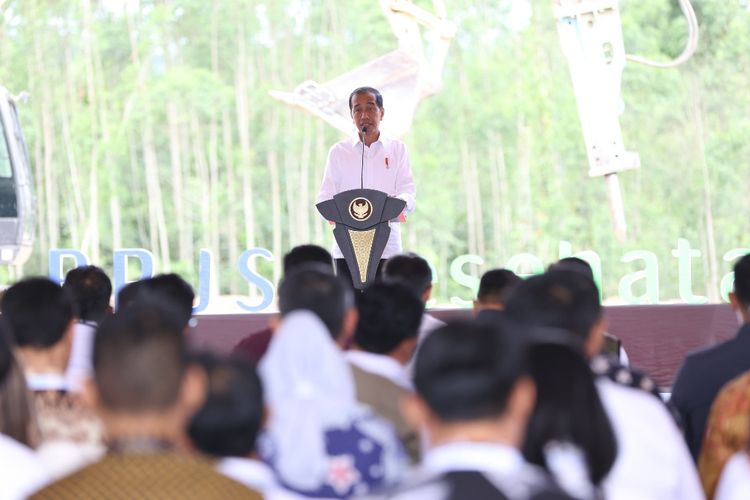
(17, 211)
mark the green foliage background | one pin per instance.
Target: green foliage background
(126, 90)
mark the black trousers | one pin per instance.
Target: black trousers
(342, 269)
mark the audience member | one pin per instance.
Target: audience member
(227, 425)
(169, 285)
(338, 448)
(255, 345)
(91, 290)
(652, 460)
(22, 471)
(612, 346)
(494, 288)
(727, 431)
(320, 441)
(704, 372)
(414, 272)
(384, 342)
(41, 316)
(569, 433)
(144, 392)
(473, 400)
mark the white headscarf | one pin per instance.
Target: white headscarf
(309, 389)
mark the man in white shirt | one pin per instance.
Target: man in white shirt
(414, 272)
(473, 401)
(369, 161)
(41, 317)
(384, 342)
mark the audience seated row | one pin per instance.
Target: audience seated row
(359, 394)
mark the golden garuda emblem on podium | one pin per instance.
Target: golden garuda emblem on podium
(360, 209)
(362, 231)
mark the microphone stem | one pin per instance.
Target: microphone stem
(362, 168)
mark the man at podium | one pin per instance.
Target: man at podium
(369, 161)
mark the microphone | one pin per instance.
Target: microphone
(362, 168)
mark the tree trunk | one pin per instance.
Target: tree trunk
(242, 86)
(273, 170)
(700, 145)
(178, 194)
(230, 208)
(157, 222)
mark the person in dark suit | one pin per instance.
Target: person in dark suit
(704, 372)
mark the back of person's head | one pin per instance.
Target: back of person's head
(305, 254)
(389, 314)
(37, 312)
(742, 280)
(169, 285)
(228, 422)
(562, 299)
(466, 371)
(16, 416)
(567, 410)
(139, 356)
(175, 287)
(410, 270)
(312, 288)
(495, 286)
(91, 289)
(573, 264)
(128, 293)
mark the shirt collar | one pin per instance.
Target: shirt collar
(380, 364)
(46, 381)
(383, 140)
(471, 456)
(248, 471)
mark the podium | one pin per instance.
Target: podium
(362, 230)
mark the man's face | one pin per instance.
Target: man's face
(366, 113)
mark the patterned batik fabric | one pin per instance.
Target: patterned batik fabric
(153, 476)
(727, 431)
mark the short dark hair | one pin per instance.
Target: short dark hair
(91, 290)
(573, 264)
(568, 409)
(304, 254)
(367, 90)
(496, 284)
(128, 293)
(388, 315)
(310, 288)
(230, 419)
(742, 280)
(37, 311)
(139, 355)
(408, 269)
(466, 370)
(170, 285)
(562, 299)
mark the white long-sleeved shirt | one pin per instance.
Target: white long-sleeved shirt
(386, 168)
(653, 461)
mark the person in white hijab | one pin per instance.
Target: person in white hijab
(320, 441)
